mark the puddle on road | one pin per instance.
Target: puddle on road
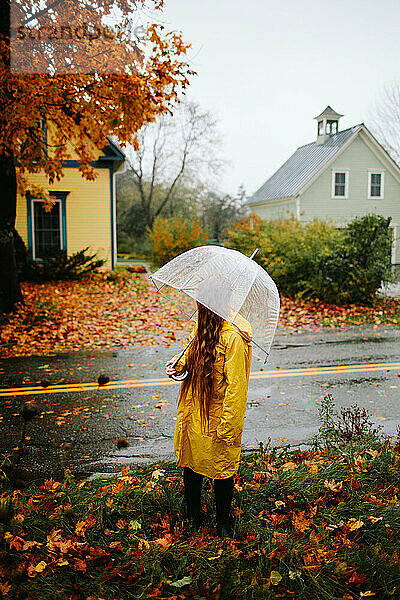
(363, 340)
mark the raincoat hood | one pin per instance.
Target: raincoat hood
(240, 324)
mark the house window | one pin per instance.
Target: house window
(340, 184)
(46, 229)
(375, 184)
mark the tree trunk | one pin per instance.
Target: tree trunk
(10, 292)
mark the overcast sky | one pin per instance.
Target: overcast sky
(266, 68)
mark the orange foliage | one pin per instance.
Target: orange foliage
(130, 84)
(97, 313)
(94, 313)
(173, 236)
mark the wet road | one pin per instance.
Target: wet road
(356, 365)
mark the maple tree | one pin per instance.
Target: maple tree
(129, 85)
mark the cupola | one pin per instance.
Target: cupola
(328, 124)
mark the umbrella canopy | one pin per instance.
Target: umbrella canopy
(228, 283)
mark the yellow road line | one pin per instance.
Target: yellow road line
(154, 382)
(162, 380)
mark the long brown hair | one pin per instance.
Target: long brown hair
(200, 360)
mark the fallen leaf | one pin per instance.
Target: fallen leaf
(289, 466)
(354, 524)
(181, 582)
(275, 577)
(40, 566)
(333, 486)
(5, 588)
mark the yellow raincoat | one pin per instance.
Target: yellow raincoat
(216, 453)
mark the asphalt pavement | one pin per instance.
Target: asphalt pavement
(81, 422)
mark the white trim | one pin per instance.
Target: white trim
(298, 208)
(114, 233)
(270, 202)
(33, 224)
(380, 152)
(394, 242)
(346, 184)
(371, 143)
(380, 172)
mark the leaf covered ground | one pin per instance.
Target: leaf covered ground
(105, 312)
(317, 525)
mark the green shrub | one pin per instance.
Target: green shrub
(138, 247)
(317, 261)
(356, 269)
(58, 266)
(290, 251)
(172, 236)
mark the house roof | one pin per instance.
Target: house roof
(115, 148)
(112, 154)
(293, 175)
(329, 112)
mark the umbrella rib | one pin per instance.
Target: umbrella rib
(248, 292)
(178, 307)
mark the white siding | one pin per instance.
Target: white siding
(358, 159)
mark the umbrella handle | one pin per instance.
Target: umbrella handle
(183, 375)
(180, 377)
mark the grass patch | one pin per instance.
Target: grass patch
(315, 525)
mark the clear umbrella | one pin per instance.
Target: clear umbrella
(227, 282)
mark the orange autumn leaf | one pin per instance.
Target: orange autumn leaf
(354, 524)
(5, 588)
(164, 542)
(56, 542)
(51, 486)
(121, 524)
(83, 525)
(30, 544)
(357, 578)
(41, 566)
(333, 486)
(79, 565)
(17, 542)
(360, 466)
(300, 523)
(289, 466)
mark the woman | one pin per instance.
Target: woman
(211, 408)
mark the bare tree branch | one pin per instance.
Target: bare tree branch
(386, 120)
(178, 148)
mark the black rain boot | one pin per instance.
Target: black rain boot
(223, 490)
(193, 484)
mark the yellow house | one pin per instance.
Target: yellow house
(84, 212)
